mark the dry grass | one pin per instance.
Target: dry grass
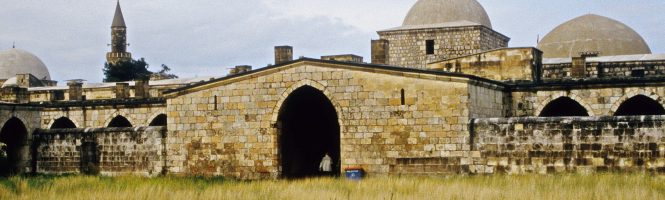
(602, 186)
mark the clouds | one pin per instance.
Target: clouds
(205, 37)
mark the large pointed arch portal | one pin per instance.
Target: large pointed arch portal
(14, 135)
(308, 129)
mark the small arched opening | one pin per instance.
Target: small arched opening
(14, 136)
(160, 120)
(119, 122)
(640, 105)
(564, 107)
(63, 122)
(308, 130)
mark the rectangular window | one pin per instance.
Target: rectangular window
(429, 47)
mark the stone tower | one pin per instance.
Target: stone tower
(118, 39)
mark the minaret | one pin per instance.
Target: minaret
(118, 39)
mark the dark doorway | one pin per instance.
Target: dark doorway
(160, 120)
(14, 135)
(640, 105)
(63, 122)
(564, 107)
(120, 122)
(308, 129)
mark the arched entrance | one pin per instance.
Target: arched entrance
(14, 135)
(120, 122)
(640, 105)
(160, 120)
(564, 107)
(63, 122)
(308, 129)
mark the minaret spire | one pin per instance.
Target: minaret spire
(118, 19)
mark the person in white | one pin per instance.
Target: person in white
(326, 164)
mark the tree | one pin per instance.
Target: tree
(126, 71)
(133, 70)
(164, 73)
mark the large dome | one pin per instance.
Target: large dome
(592, 33)
(427, 12)
(16, 61)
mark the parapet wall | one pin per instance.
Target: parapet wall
(588, 144)
(107, 151)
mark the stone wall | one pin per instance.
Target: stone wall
(30, 118)
(407, 48)
(606, 69)
(227, 127)
(597, 99)
(108, 151)
(98, 114)
(506, 64)
(589, 144)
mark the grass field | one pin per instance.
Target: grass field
(559, 187)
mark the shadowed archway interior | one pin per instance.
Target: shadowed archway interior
(308, 129)
(63, 122)
(564, 107)
(14, 135)
(160, 120)
(640, 105)
(120, 122)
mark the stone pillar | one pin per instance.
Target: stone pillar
(121, 90)
(75, 90)
(23, 80)
(380, 51)
(142, 89)
(283, 54)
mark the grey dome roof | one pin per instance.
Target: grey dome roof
(592, 33)
(426, 12)
(17, 61)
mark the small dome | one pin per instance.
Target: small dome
(426, 12)
(16, 61)
(10, 82)
(592, 33)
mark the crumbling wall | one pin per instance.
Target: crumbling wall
(106, 151)
(572, 144)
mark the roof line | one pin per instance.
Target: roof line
(361, 65)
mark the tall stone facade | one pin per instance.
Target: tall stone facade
(409, 47)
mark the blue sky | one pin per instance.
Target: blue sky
(206, 37)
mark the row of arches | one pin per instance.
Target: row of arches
(117, 122)
(635, 106)
(14, 139)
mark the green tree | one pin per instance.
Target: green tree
(126, 71)
(133, 70)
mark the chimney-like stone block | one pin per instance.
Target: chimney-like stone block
(121, 90)
(380, 51)
(75, 90)
(283, 54)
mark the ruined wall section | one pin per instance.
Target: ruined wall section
(107, 151)
(228, 128)
(584, 145)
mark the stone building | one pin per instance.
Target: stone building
(444, 94)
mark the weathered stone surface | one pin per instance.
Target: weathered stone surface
(108, 151)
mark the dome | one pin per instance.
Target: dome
(592, 33)
(426, 12)
(16, 61)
